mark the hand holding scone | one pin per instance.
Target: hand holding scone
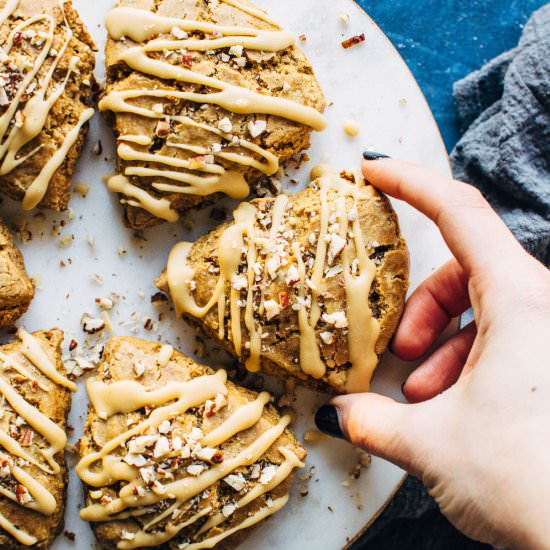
(482, 446)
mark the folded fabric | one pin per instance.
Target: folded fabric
(504, 109)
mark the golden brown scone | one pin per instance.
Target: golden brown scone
(16, 289)
(165, 435)
(45, 99)
(311, 286)
(182, 142)
(32, 375)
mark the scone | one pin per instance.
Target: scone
(209, 98)
(46, 89)
(175, 456)
(16, 289)
(310, 286)
(36, 398)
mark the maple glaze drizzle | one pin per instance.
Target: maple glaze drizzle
(15, 455)
(143, 27)
(168, 402)
(8, 9)
(16, 134)
(242, 242)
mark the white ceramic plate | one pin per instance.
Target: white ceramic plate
(370, 84)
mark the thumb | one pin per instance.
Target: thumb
(377, 424)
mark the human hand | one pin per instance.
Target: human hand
(478, 431)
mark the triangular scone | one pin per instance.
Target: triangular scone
(208, 97)
(46, 99)
(175, 456)
(35, 402)
(16, 289)
(310, 285)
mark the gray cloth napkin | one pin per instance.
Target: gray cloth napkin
(504, 113)
(504, 108)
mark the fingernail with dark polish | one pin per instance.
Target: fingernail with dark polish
(326, 419)
(373, 155)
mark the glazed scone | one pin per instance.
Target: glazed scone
(310, 285)
(209, 97)
(46, 94)
(16, 289)
(36, 399)
(175, 456)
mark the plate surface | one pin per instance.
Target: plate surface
(369, 84)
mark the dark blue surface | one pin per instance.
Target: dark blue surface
(442, 41)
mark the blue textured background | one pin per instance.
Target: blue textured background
(442, 41)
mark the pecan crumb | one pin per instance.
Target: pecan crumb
(159, 298)
(353, 41)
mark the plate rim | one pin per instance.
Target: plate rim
(396, 489)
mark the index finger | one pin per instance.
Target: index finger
(475, 234)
